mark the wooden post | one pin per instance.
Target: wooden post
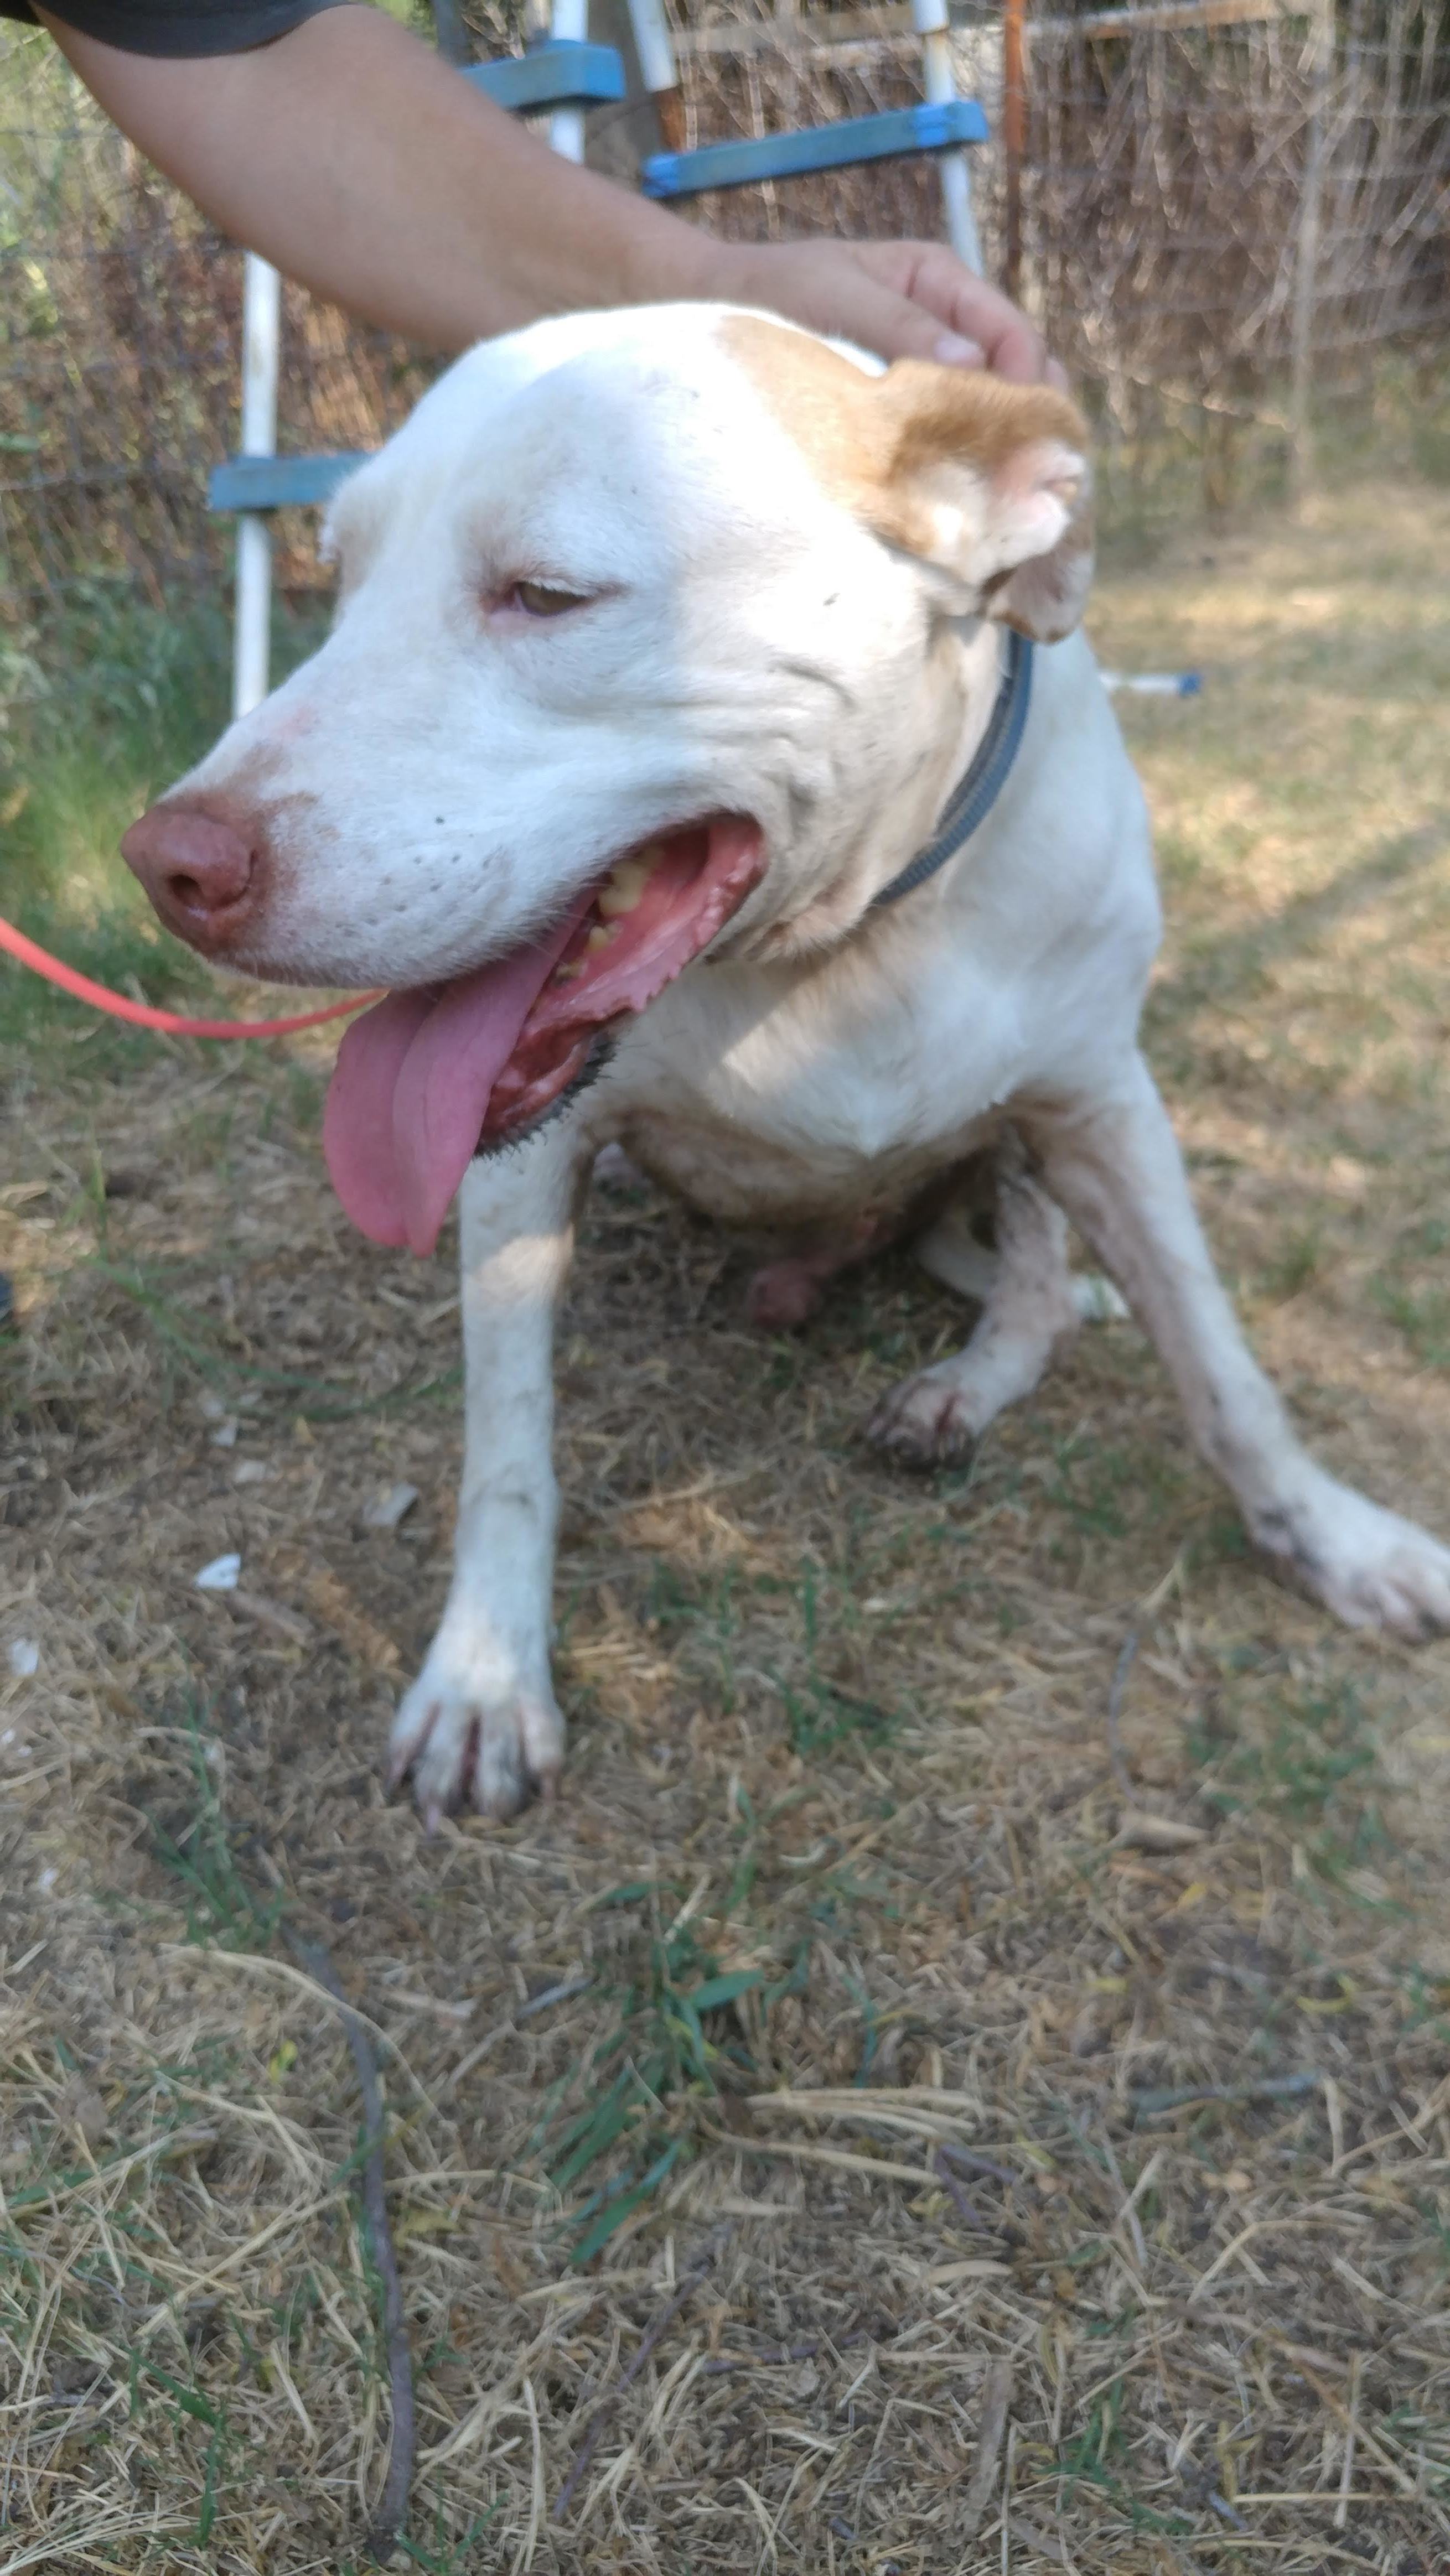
(1319, 66)
(1014, 140)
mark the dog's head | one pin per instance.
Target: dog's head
(650, 623)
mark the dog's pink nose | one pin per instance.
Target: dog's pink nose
(202, 875)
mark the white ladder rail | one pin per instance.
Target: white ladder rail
(261, 368)
(568, 25)
(929, 18)
(657, 66)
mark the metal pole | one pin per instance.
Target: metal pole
(1319, 64)
(1014, 141)
(657, 69)
(261, 357)
(566, 126)
(929, 18)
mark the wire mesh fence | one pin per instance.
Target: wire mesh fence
(1225, 208)
(1222, 217)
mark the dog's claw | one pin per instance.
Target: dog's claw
(395, 1770)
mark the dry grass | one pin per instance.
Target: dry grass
(838, 1739)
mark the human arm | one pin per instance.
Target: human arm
(351, 157)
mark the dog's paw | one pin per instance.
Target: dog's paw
(1096, 1299)
(1372, 1569)
(462, 1745)
(933, 1420)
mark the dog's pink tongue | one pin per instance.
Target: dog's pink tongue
(410, 1088)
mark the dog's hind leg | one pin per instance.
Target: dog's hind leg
(1031, 1310)
(952, 1252)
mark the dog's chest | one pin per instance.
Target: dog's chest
(790, 1106)
(745, 1180)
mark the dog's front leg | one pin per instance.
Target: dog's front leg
(1114, 1165)
(480, 1723)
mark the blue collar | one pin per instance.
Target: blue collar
(975, 794)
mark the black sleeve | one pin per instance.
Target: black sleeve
(177, 27)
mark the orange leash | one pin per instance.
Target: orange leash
(143, 1016)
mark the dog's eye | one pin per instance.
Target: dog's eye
(541, 599)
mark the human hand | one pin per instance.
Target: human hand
(904, 299)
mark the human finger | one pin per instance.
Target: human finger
(972, 310)
(831, 288)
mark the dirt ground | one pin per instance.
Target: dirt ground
(862, 2126)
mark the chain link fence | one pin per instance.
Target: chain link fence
(1227, 209)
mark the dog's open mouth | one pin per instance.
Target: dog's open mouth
(427, 1077)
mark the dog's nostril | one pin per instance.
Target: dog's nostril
(194, 866)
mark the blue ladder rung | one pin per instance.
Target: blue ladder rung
(278, 482)
(932, 128)
(566, 74)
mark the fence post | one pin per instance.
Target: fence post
(1014, 142)
(261, 360)
(1319, 64)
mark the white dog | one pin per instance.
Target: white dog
(665, 640)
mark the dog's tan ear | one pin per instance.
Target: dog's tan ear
(987, 482)
(991, 483)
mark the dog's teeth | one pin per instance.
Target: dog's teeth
(624, 887)
(602, 935)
